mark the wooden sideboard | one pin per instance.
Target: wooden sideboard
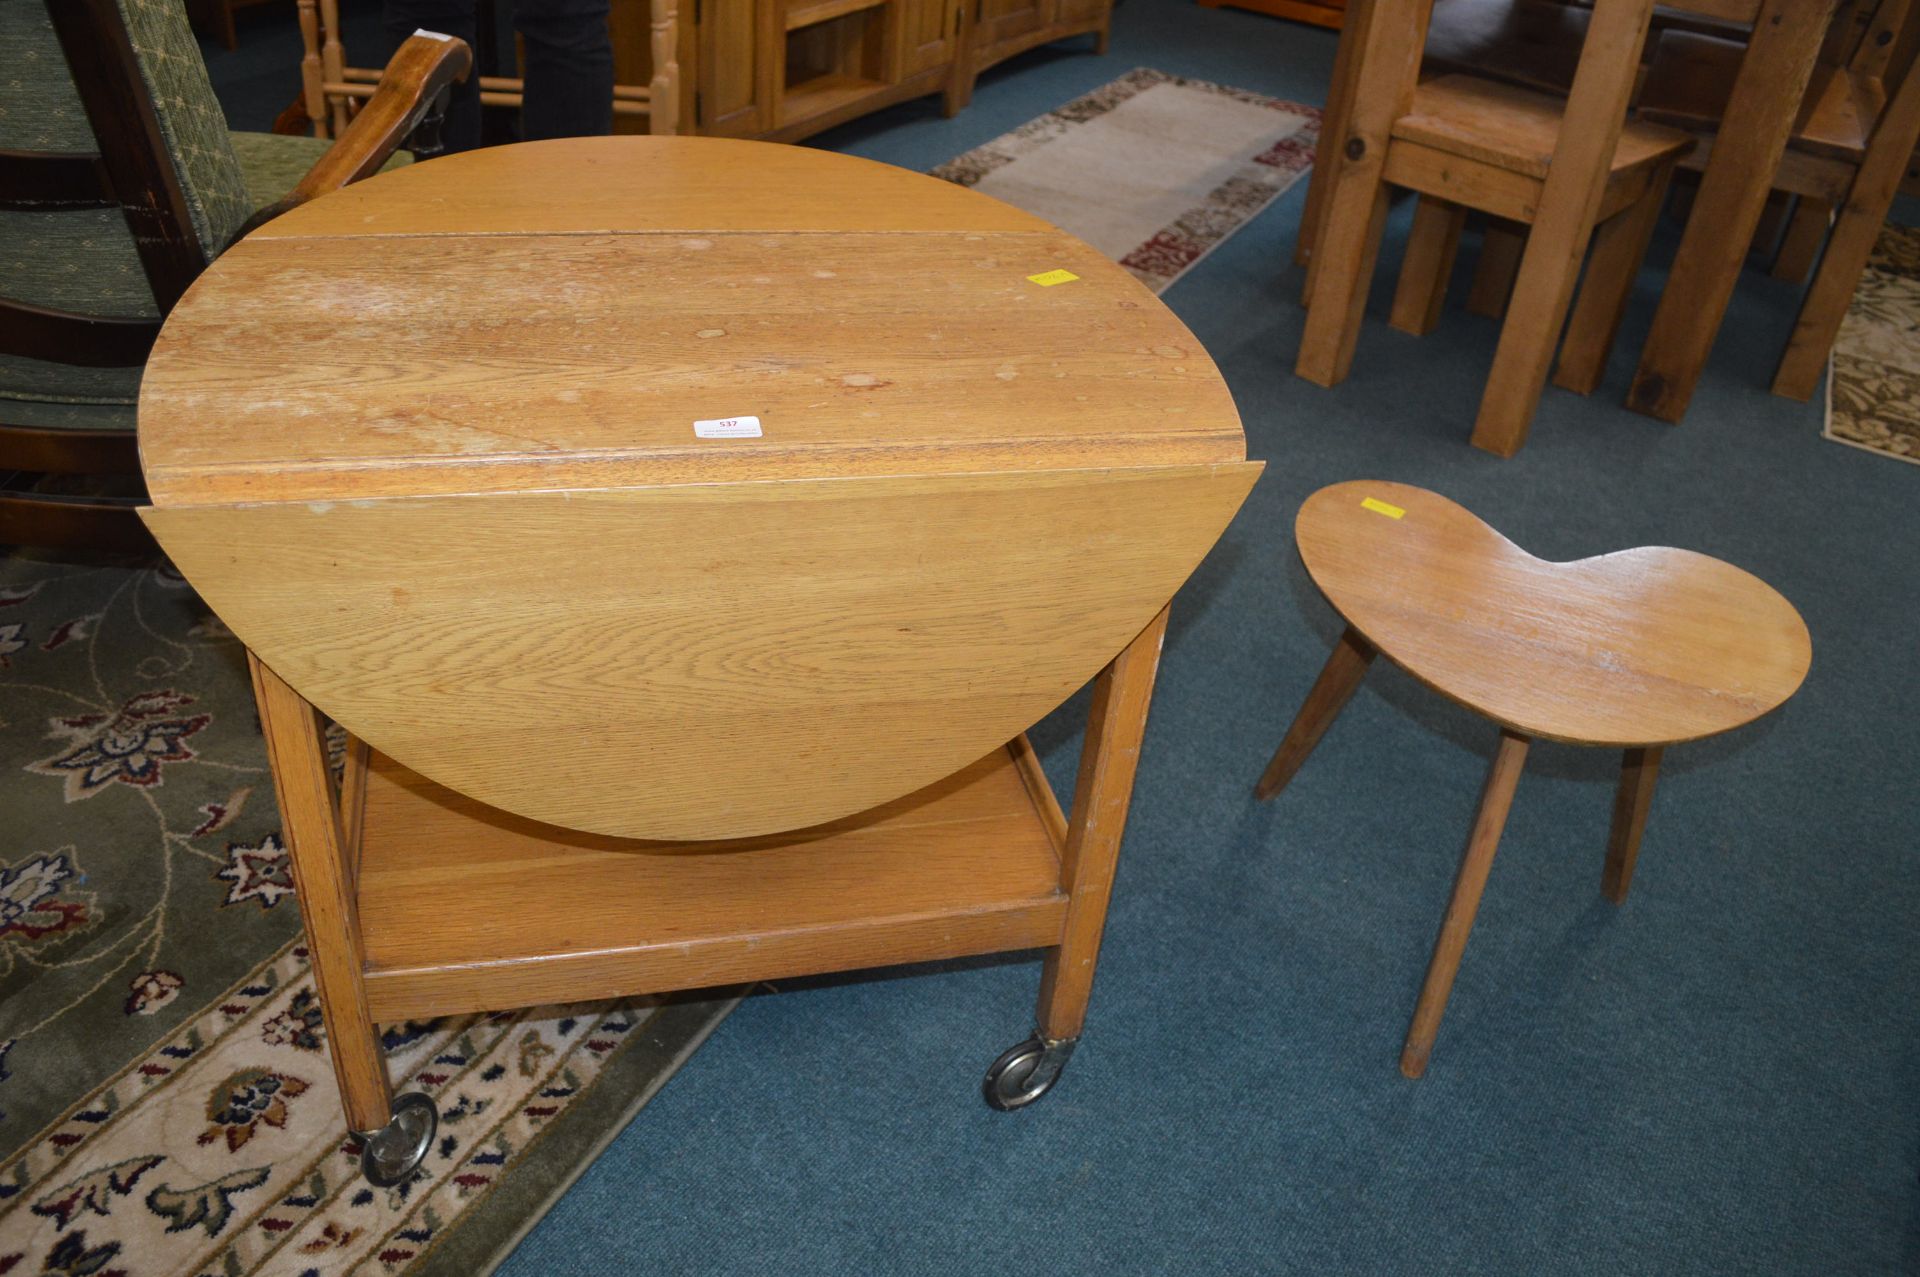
(774, 69)
(784, 69)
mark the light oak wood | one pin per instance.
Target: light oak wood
(1102, 793)
(1639, 772)
(1496, 800)
(718, 643)
(324, 882)
(1431, 248)
(1333, 126)
(1692, 646)
(465, 906)
(1773, 79)
(1341, 676)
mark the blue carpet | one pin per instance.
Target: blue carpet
(1718, 1077)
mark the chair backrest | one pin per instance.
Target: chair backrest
(117, 185)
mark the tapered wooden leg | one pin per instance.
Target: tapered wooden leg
(1428, 266)
(1638, 773)
(1495, 801)
(1619, 247)
(1806, 235)
(1101, 795)
(1345, 667)
(323, 882)
(1854, 234)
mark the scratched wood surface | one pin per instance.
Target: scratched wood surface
(1648, 646)
(464, 331)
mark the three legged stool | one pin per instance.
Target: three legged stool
(1635, 650)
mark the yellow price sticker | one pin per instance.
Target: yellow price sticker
(1382, 507)
(1047, 279)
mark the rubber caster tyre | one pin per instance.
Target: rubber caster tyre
(1025, 1072)
(391, 1155)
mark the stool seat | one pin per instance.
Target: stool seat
(1649, 646)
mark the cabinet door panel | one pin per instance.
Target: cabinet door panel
(1005, 19)
(928, 30)
(732, 80)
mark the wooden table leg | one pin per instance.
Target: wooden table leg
(1619, 247)
(1333, 124)
(1733, 191)
(1428, 267)
(323, 882)
(1101, 795)
(1557, 242)
(1495, 801)
(1639, 772)
(1346, 666)
(1388, 40)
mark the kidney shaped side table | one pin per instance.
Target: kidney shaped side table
(685, 532)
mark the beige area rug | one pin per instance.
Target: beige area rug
(1873, 394)
(1153, 170)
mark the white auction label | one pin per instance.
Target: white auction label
(728, 428)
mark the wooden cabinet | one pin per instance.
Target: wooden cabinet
(1322, 13)
(784, 69)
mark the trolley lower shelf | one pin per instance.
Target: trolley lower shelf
(463, 907)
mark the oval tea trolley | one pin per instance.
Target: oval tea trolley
(685, 532)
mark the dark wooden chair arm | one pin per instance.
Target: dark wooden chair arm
(424, 68)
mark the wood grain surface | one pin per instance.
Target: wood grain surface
(316, 369)
(1648, 646)
(464, 906)
(704, 661)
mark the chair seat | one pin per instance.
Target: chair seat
(1691, 80)
(1516, 129)
(1643, 647)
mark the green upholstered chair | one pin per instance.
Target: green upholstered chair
(119, 182)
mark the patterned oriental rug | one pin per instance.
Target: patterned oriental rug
(150, 966)
(1873, 394)
(1152, 170)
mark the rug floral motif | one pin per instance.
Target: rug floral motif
(1245, 150)
(1873, 396)
(150, 966)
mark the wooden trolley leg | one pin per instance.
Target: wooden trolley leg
(1495, 801)
(1101, 795)
(1345, 667)
(296, 752)
(1501, 247)
(1638, 774)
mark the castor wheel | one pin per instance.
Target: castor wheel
(393, 1153)
(1026, 1072)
